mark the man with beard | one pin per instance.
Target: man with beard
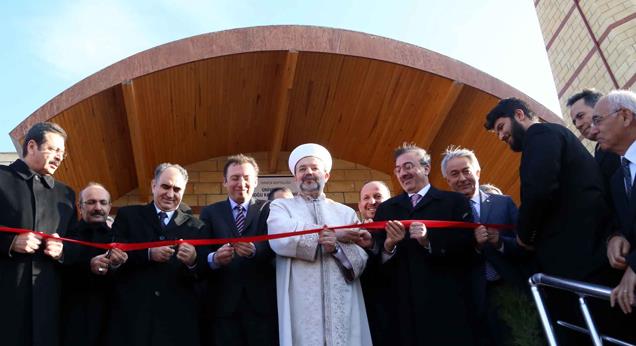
(30, 266)
(428, 299)
(563, 216)
(242, 289)
(87, 283)
(372, 195)
(154, 300)
(319, 296)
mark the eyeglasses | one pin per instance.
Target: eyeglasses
(91, 202)
(406, 167)
(55, 151)
(598, 119)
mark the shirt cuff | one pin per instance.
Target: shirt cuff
(388, 255)
(211, 263)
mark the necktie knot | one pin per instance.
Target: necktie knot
(625, 161)
(162, 219)
(415, 199)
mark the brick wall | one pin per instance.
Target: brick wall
(205, 185)
(613, 26)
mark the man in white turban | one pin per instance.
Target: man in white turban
(317, 275)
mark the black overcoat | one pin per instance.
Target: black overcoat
(154, 303)
(30, 283)
(428, 299)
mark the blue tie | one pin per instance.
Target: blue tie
(491, 273)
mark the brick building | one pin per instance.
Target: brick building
(590, 44)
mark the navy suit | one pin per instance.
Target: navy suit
(500, 209)
(497, 209)
(242, 293)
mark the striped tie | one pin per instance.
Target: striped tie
(240, 218)
(415, 199)
(627, 176)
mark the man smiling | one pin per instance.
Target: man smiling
(428, 271)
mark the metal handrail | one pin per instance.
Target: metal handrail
(583, 290)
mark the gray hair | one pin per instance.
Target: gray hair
(163, 166)
(491, 189)
(425, 158)
(92, 184)
(457, 152)
(618, 99)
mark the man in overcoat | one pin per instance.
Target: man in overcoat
(29, 265)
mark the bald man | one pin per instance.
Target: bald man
(372, 195)
(87, 282)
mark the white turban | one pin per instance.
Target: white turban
(309, 149)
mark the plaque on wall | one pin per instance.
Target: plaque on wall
(268, 182)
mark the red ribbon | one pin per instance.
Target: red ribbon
(373, 226)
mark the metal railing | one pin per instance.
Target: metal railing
(583, 290)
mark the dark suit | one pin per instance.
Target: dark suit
(625, 213)
(243, 293)
(563, 212)
(608, 162)
(86, 296)
(154, 303)
(625, 223)
(30, 283)
(500, 209)
(509, 264)
(428, 295)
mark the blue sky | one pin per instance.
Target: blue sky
(50, 45)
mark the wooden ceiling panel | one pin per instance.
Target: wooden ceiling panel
(98, 144)
(270, 89)
(217, 106)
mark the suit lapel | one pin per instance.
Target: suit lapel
(228, 216)
(424, 201)
(252, 213)
(485, 206)
(150, 214)
(618, 192)
(178, 219)
(405, 202)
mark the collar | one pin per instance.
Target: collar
(630, 153)
(27, 173)
(422, 192)
(169, 213)
(233, 204)
(309, 198)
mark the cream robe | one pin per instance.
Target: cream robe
(316, 305)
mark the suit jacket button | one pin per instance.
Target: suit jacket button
(162, 237)
(157, 293)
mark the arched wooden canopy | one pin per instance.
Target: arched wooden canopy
(270, 89)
